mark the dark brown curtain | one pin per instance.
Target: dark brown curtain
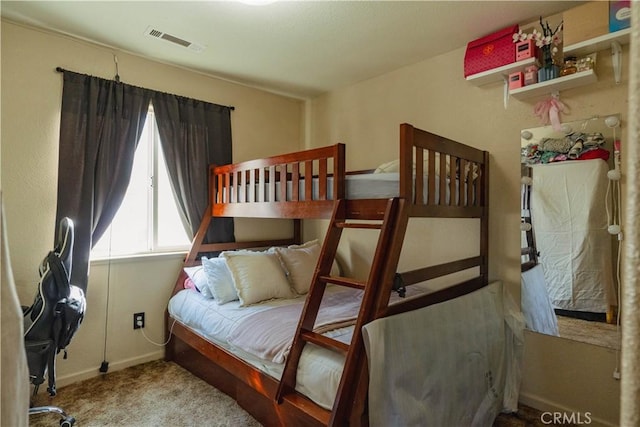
(194, 134)
(100, 125)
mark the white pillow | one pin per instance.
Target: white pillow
(219, 280)
(199, 278)
(257, 276)
(394, 166)
(300, 263)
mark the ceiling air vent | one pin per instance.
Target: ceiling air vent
(152, 32)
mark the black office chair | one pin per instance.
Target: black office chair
(53, 318)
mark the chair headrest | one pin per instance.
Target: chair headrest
(64, 245)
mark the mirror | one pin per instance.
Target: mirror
(570, 225)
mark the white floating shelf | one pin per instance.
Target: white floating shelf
(598, 43)
(561, 83)
(586, 47)
(496, 74)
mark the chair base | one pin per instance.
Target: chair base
(65, 421)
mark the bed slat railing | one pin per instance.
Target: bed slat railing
(457, 178)
(408, 278)
(198, 246)
(262, 187)
(434, 271)
(436, 297)
(453, 174)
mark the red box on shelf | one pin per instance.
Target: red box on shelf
(492, 51)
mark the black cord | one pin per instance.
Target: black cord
(104, 367)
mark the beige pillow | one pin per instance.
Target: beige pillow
(388, 167)
(300, 263)
(257, 276)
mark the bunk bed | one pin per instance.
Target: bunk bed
(435, 177)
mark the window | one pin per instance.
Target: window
(148, 220)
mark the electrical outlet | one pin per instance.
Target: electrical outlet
(138, 320)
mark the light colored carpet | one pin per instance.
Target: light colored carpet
(162, 393)
(152, 394)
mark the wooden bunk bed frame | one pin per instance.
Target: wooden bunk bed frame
(283, 187)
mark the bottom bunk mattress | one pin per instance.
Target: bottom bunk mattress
(478, 318)
(233, 328)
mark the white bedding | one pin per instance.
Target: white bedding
(570, 225)
(382, 186)
(216, 323)
(319, 369)
(362, 186)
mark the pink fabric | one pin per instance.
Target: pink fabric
(548, 111)
(188, 284)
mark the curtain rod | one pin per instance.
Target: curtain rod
(62, 70)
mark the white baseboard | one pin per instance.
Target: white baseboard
(113, 366)
(545, 405)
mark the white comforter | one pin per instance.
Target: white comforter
(260, 336)
(319, 370)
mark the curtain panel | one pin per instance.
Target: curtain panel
(194, 134)
(100, 125)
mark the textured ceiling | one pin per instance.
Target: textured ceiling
(298, 48)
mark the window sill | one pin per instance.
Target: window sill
(138, 257)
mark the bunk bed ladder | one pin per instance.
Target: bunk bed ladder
(391, 221)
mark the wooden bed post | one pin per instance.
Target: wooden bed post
(339, 170)
(406, 161)
(297, 231)
(199, 237)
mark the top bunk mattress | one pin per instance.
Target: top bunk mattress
(358, 186)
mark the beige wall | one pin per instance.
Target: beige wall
(433, 95)
(262, 124)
